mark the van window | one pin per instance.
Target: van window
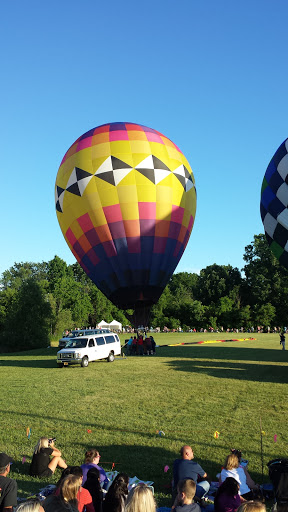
(77, 343)
(109, 339)
(100, 341)
(91, 343)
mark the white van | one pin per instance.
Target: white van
(85, 349)
(79, 332)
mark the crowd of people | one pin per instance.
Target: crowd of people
(141, 345)
(87, 488)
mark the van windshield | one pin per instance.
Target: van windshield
(77, 343)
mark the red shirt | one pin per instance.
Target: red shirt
(84, 500)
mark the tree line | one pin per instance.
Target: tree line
(39, 300)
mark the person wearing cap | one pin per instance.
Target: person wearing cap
(8, 486)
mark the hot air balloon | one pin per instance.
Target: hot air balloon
(126, 201)
(274, 203)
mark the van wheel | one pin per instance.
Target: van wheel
(60, 365)
(110, 358)
(84, 362)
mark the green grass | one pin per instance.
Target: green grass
(187, 391)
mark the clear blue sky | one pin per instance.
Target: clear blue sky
(211, 76)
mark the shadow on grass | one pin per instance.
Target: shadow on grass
(221, 351)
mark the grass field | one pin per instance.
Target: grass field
(188, 392)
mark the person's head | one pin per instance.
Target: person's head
(69, 488)
(5, 462)
(186, 491)
(77, 471)
(119, 487)
(93, 474)
(230, 486)
(42, 443)
(231, 462)
(140, 499)
(186, 452)
(32, 505)
(252, 506)
(93, 456)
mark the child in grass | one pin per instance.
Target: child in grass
(184, 499)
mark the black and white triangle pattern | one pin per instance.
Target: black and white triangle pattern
(113, 171)
(184, 177)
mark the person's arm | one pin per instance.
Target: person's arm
(249, 480)
(56, 452)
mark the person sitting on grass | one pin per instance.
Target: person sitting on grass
(227, 498)
(92, 459)
(84, 497)
(185, 468)
(8, 486)
(92, 484)
(184, 499)
(67, 499)
(233, 469)
(41, 464)
(140, 499)
(117, 494)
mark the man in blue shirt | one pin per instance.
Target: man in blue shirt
(186, 467)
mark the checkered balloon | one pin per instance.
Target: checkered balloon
(274, 203)
(126, 201)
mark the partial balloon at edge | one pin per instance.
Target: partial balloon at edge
(274, 204)
(126, 202)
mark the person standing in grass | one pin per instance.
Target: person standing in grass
(187, 468)
(282, 340)
(8, 486)
(41, 464)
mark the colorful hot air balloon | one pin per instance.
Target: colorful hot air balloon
(126, 202)
(274, 203)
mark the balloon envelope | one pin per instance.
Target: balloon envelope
(274, 203)
(126, 200)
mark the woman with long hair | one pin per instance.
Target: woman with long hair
(117, 494)
(92, 459)
(234, 470)
(84, 497)
(66, 501)
(92, 484)
(42, 465)
(227, 498)
(140, 499)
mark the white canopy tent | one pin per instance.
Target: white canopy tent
(114, 325)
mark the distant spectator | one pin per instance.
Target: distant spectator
(41, 464)
(140, 499)
(282, 340)
(8, 486)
